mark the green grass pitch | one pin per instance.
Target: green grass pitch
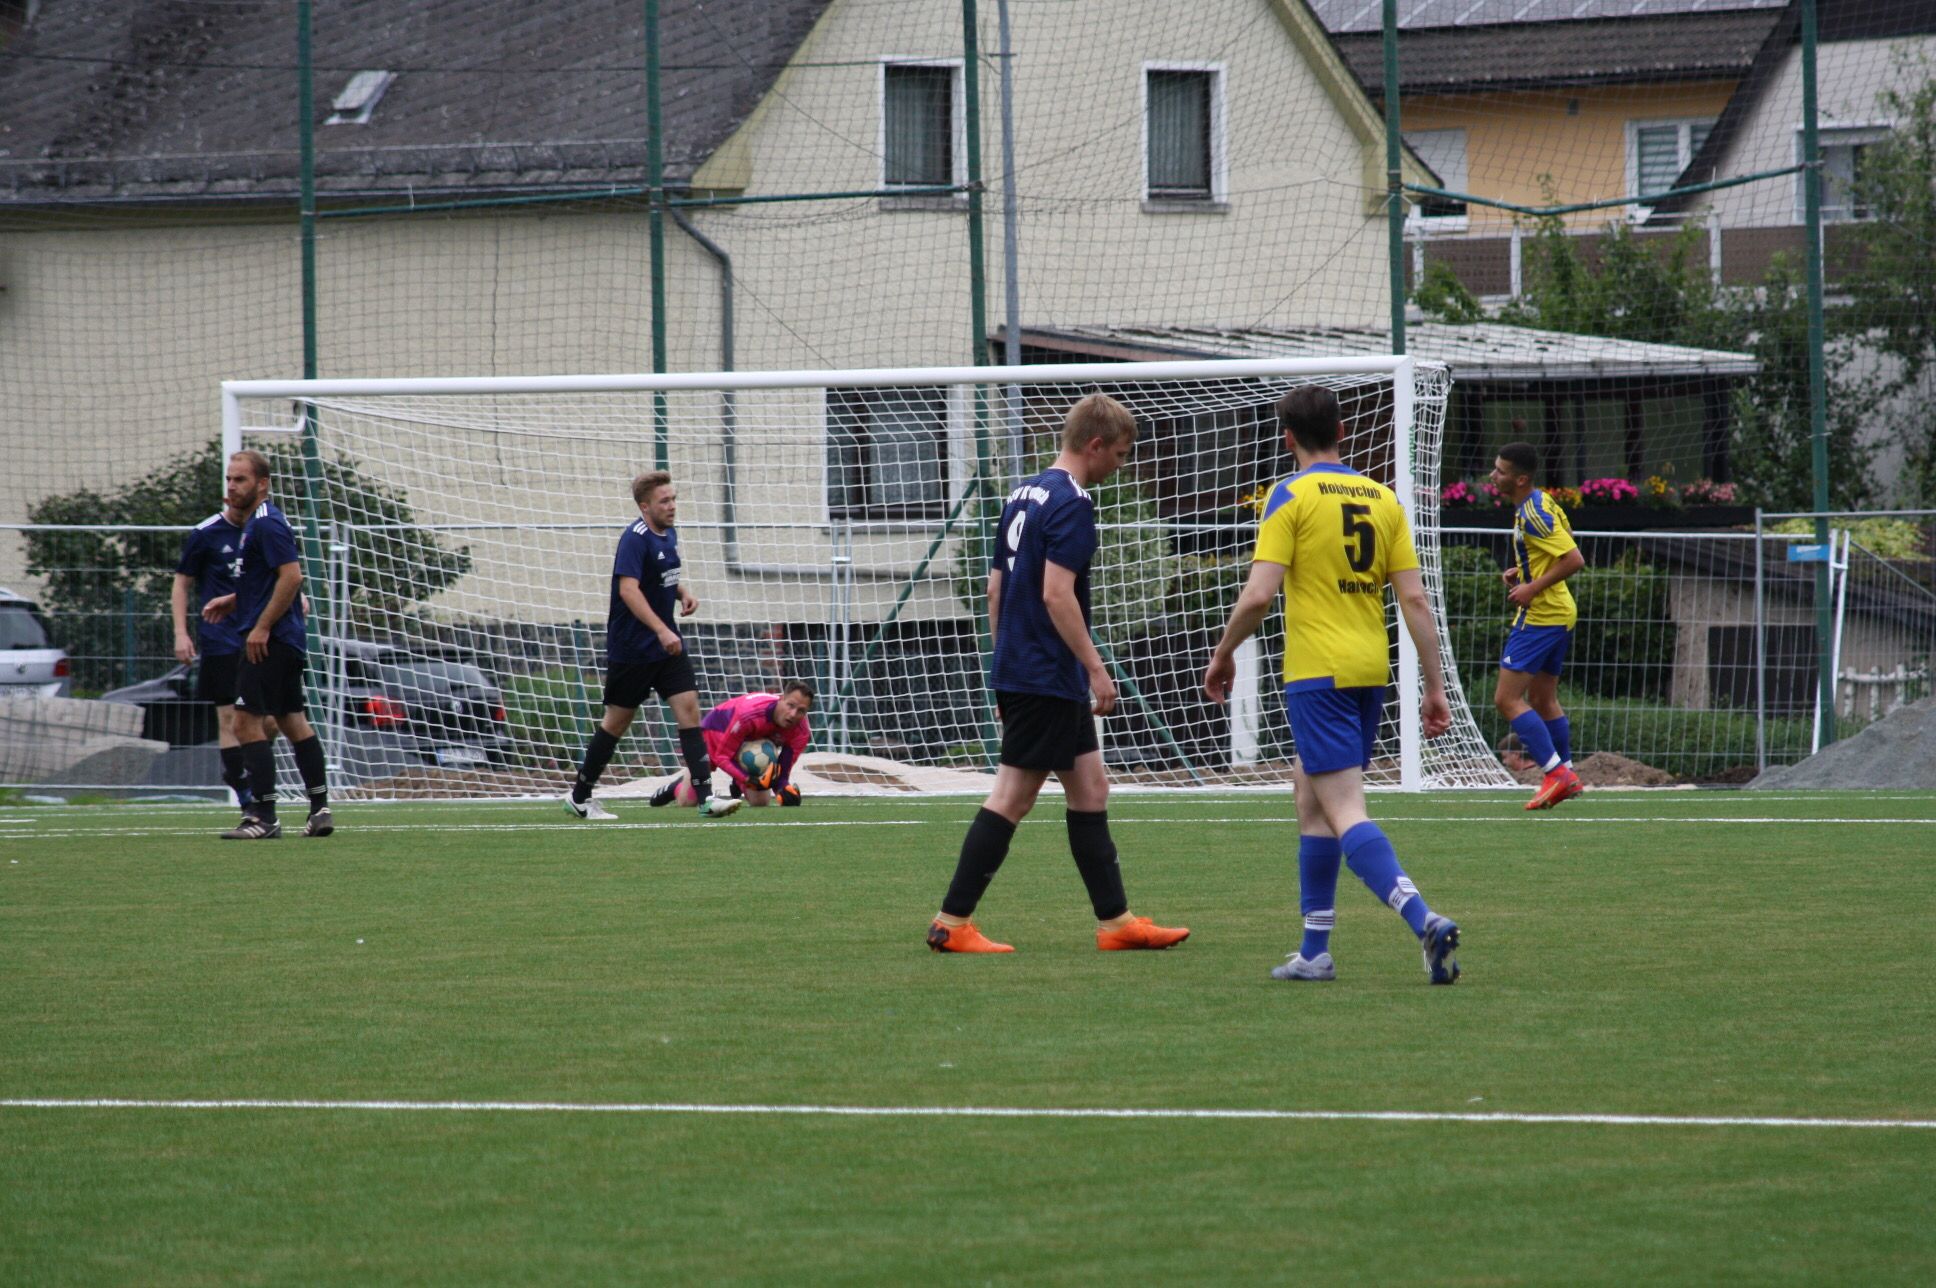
(1675, 954)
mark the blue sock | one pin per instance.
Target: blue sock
(1532, 734)
(1562, 732)
(1371, 856)
(1317, 885)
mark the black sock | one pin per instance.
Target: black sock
(598, 754)
(315, 775)
(235, 773)
(699, 764)
(982, 852)
(261, 759)
(1095, 856)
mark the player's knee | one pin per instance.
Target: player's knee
(757, 798)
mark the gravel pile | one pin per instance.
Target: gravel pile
(1897, 751)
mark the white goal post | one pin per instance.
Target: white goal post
(835, 527)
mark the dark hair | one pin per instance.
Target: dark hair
(799, 686)
(1310, 413)
(1523, 457)
(646, 484)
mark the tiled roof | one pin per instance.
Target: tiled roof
(1679, 47)
(167, 99)
(1365, 15)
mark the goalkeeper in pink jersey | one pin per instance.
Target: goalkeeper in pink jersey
(779, 718)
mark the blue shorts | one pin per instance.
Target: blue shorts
(1334, 728)
(1537, 648)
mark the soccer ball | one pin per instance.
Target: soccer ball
(755, 756)
(683, 792)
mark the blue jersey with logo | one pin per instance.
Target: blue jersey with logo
(1048, 519)
(267, 544)
(211, 554)
(653, 558)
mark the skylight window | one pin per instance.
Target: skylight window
(359, 98)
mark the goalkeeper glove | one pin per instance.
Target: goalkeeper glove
(789, 795)
(767, 776)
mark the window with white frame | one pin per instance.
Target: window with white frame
(1444, 151)
(1657, 152)
(887, 454)
(922, 143)
(1182, 133)
(1846, 150)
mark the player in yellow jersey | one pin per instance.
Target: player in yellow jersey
(1544, 556)
(1334, 539)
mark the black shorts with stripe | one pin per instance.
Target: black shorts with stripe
(273, 686)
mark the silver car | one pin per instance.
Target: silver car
(30, 665)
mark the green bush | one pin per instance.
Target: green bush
(1624, 645)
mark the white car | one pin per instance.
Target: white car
(30, 665)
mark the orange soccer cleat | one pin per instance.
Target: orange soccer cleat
(963, 939)
(1561, 784)
(1140, 932)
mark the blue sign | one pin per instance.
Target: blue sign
(1807, 554)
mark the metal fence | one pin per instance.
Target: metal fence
(1696, 658)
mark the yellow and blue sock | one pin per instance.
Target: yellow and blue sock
(1369, 854)
(1317, 886)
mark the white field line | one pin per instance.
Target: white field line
(564, 828)
(971, 1111)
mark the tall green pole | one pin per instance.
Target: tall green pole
(1394, 181)
(1817, 377)
(655, 181)
(977, 274)
(978, 322)
(313, 495)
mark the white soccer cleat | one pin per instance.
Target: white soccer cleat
(718, 807)
(589, 810)
(1299, 967)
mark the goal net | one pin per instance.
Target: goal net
(835, 527)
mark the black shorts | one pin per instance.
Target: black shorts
(1045, 733)
(216, 682)
(627, 684)
(273, 686)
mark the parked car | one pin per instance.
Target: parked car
(395, 709)
(444, 710)
(30, 665)
(170, 712)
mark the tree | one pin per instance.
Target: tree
(1892, 288)
(107, 591)
(1635, 292)
(1773, 452)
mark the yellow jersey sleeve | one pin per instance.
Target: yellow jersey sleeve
(1276, 539)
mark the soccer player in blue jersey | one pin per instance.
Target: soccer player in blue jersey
(1334, 539)
(1544, 556)
(206, 571)
(267, 611)
(1050, 683)
(644, 652)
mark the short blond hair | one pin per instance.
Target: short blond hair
(1097, 416)
(646, 484)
